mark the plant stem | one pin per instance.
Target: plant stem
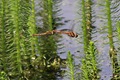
(3, 44)
(110, 32)
(113, 54)
(50, 17)
(70, 62)
(84, 26)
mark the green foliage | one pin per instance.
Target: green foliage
(3, 76)
(118, 29)
(109, 22)
(32, 30)
(93, 61)
(117, 67)
(47, 43)
(50, 14)
(3, 40)
(70, 64)
(89, 64)
(15, 18)
(17, 26)
(85, 72)
(23, 56)
(113, 54)
(85, 33)
(86, 22)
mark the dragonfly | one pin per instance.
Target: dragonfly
(63, 31)
(68, 32)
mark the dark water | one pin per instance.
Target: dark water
(75, 45)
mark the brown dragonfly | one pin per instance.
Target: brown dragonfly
(64, 31)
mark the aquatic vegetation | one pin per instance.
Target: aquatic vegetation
(26, 54)
(70, 64)
(89, 64)
(113, 53)
(118, 29)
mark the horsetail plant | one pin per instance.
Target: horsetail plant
(86, 22)
(113, 54)
(24, 56)
(47, 22)
(70, 64)
(84, 69)
(32, 29)
(89, 64)
(12, 29)
(25, 10)
(109, 24)
(88, 14)
(118, 67)
(118, 29)
(15, 17)
(50, 13)
(85, 33)
(2, 33)
(93, 60)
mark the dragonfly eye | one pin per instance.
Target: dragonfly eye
(76, 36)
